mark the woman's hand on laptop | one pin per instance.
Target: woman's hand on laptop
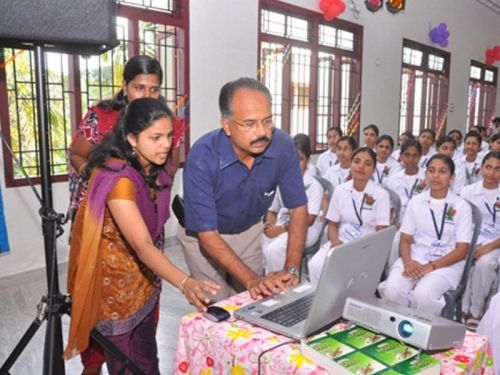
(272, 283)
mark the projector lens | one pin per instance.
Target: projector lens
(405, 329)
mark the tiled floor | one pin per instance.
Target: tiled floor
(20, 294)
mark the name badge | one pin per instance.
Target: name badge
(488, 228)
(437, 250)
(350, 231)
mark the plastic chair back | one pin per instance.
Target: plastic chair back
(453, 297)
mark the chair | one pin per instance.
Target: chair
(395, 206)
(453, 297)
(311, 250)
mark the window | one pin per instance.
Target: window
(153, 27)
(313, 70)
(424, 88)
(481, 95)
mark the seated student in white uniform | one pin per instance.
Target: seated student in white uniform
(386, 164)
(370, 135)
(481, 130)
(435, 236)
(403, 137)
(473, 157)
(341, 172)
(446, 145)
(426, 138)
(357, 207)
(328, 158)
(457, 136)
(485, 195)
(490, 327)
(495, 142)
(406, 183)
(409, 181)
(275, 237)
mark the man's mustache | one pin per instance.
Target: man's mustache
(261, 139)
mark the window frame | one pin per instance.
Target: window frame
(178, 18)
(486, 99)
(426, 72)
(315, 19)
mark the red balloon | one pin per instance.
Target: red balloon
(329, 16)
(323, 5)
(331, 8)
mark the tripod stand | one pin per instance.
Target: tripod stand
(53, 305)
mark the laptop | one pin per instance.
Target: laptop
(350, 270)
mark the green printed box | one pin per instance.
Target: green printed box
(358, 337)
(330, 347)
(359, 363)
(425, 364)
(390, 352)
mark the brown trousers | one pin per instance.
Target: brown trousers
(247, 245)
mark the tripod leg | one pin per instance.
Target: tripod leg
(115, 352)
(30, 332)
(54, 362)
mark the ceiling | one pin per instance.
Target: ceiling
(493, 5)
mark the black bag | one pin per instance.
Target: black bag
(178, 208)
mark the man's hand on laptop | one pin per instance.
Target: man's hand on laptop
(272, 283)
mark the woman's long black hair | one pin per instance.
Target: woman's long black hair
(135, 118)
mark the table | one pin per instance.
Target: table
(233, 347)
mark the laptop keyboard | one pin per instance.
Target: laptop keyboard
(291, 314)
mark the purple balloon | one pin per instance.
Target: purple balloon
(440, 34)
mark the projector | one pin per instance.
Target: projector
(416, 328)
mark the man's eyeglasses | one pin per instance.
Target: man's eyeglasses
(251, 125)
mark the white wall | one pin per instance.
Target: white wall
(223, 46)
(473, 28)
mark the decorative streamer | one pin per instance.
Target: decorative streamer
(274, 53)
(354, 125)
(10, 59)
(352, 112)
(472, 99)
(411, 82)
(352, 119)
(4, 238)
(180, 126)
(442, 121)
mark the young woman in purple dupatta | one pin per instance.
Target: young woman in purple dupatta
(116, 259)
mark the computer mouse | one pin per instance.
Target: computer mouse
(216, 314)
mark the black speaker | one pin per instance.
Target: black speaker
(84, 27)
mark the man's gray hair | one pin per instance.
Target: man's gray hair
(227, 92)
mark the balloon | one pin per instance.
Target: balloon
(323, 5)
(440, 34)
(331, 8)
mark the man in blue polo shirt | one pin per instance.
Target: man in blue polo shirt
(230, 179)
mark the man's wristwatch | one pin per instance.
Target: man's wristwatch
(294, 271)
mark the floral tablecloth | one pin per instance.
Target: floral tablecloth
(233, 347)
